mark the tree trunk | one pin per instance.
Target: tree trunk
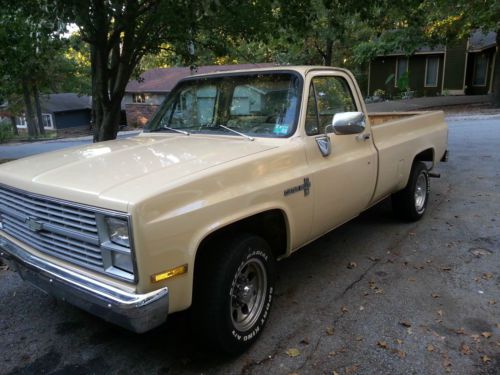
(36, 96)
(328, 52)
(30, 121)
(495, 97)
(14, 125)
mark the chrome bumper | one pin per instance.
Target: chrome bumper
(136, 312)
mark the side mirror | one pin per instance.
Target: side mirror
(347, 123)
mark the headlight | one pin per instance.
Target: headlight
(118, 231)
(123, 261)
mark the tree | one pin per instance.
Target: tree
(121, 32)
(30, 37)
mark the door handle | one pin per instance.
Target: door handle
(363, 137)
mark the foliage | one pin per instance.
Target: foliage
(5, 131)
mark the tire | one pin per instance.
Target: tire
(233, 293)
(410, 203)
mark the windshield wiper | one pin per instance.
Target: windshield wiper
(236, 132)
(175, 130)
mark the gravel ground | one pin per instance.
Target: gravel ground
(375, 296)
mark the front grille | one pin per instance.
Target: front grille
(56, 228)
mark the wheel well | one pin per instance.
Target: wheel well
(270, 225)
(426, 155)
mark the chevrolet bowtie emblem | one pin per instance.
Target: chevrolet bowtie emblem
(33, 225)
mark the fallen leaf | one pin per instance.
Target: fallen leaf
(465, 349)
(487, 275)
(412, 279)
(475, 338)
(398, 341)
(479, 252)
(379, 291)
(352, 265)
(330, 331)
(344, 309)
(435, 295)
(335, 373)
(492, 302)
(440, 313)
(497, 325)
(399, 353)
(446, 362)
(404, 323)
(430, 348)
(382, 344)
(293, 352)
(486, 335)
(332, 354)
(485, 358)
(359, 338)
(351, 369)
(460, 331)
(372, 284)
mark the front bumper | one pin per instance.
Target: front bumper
(136, 312)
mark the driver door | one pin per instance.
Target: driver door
(343, 181)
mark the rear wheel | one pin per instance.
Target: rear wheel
(233, 293)
(411, 202)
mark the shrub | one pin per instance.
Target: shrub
(5, 131)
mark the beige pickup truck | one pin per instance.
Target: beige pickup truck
(235, 171)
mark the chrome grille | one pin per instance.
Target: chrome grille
(52, 227)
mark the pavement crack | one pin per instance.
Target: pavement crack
(359, 279)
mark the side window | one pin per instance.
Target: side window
(332, 95)
(312, 124)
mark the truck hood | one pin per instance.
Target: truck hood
(94, 169)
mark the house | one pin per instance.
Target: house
(63, 112)
(144, 95)
(465, 68)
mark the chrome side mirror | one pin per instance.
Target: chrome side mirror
(347, 123)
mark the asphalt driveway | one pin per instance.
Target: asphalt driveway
(375, 296)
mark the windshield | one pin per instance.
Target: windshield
(261, 105)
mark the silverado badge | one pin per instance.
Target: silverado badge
(305, 187)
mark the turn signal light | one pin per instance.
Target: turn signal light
(170, 273)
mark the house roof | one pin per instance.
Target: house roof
(67, 101)
(480, 41)
(163, 80)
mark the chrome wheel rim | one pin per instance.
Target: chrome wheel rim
(420, 192)
(248, 294)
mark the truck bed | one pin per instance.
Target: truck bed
(397, 136)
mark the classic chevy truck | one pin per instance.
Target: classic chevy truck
(235, 171)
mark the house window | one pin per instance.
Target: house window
(480, 69)
(139, 98)
(47, 121)
(46, 118)
(431, 71)
(401, 69)
(21, 122)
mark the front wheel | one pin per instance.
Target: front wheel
(233, 293)
(411, 202)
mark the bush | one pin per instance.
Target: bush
(5, 131)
